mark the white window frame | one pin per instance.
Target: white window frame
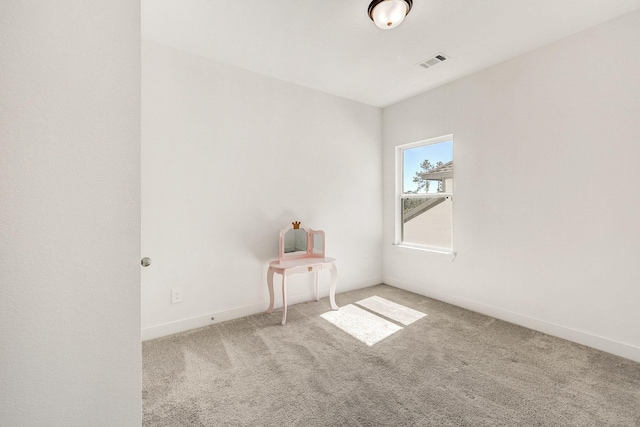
(400, 195)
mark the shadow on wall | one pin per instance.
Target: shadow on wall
(260, 237)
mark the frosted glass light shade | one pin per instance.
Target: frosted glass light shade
(389, 14)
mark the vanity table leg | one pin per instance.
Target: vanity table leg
(284, 298)
(332, 289)
(270, 274)
(317, 288)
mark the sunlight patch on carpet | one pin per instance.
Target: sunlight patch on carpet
(360, 324)
(391, 310)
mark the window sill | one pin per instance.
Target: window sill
(418, 250)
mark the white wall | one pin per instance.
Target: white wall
(70, 213)
(229, 158)
(546, 206)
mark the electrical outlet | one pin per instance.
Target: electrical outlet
(176, 295)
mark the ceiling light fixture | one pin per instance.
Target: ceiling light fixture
(387, 14)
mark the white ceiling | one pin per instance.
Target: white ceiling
(332, 45)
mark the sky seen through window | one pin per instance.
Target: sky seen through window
(413, 157)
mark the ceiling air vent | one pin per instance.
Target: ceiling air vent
(434, 60)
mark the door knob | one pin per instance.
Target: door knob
(145, 262)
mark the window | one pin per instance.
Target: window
(424, 194)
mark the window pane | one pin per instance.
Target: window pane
(427, 221)
(428, 168)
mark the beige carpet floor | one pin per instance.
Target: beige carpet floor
(452, 367)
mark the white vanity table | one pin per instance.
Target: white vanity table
(301, 251)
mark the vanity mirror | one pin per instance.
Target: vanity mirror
(298, 241)
(301, 250)
(317, 243)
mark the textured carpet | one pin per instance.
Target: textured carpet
(452, 367)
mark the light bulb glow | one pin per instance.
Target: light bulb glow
(389, 13)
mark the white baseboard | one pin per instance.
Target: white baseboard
(183, 325)
(625, 350)
(199, 321)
